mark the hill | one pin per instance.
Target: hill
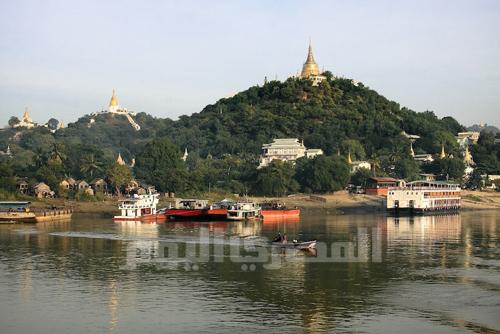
(225, 138)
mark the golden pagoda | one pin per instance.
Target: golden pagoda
(114, 101)
(443, 153)
(119, 160)
(310, 67)
(26, 116)
(349, 160)
(468, 157)
(412, 152)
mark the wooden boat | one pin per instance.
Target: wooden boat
(296, 245)
(20, 212)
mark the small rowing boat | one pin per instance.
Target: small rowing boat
(296, 244)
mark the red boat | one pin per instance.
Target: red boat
(196, 209)
(278, 210)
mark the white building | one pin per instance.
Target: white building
(467, 138)
(115, 108)
(285, 149)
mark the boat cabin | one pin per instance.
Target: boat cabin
(15, 206)
(191, 204)
(380, 185)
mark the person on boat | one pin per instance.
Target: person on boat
(278, 238)
(285, 239)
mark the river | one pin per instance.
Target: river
(370, 274)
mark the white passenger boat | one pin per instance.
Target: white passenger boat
(424, 197)
(244, 211)
(140, 207)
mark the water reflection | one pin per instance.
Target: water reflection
(111, 265)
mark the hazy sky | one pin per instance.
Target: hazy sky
(63, 58)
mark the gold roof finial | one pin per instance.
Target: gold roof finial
(310, 67)
(412, 153)
(349, 160)
(443, 153)
(114, 101)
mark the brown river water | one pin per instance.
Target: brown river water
(370, 274)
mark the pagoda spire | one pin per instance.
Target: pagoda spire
(412, 153)
(349, 160)
(119, 160)
(443, 153)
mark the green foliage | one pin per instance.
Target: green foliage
(447, 169)
(13, 121)
(160, 164)
(276, 179)
(322, 174)
(360, 176)
(120, 176)
(407, 169)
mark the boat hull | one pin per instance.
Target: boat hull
(281, 213)
(152, 217)
(296, 245)
(197, 214)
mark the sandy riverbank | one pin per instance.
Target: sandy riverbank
(339, 202)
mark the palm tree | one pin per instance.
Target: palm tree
(56, 153)
(90, 165)
(375, 162)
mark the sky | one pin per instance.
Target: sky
(62, 59)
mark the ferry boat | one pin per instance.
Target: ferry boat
(244, 211)
(422, 197)
(140, 207)
(278, 210)
(20, 212)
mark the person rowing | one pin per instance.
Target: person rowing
(278, 237)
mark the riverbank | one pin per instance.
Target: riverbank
(338, 202)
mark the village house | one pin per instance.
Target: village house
(22, 187)
(41, 190)
(99, 185)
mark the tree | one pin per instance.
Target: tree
(160, 164)
(276, 179)
(120, 176)
(407, 169)
(354, 147)
(322, 173)
(13, 121)
(53, 124)
(89, 165)
(360, 176)
(447, 169)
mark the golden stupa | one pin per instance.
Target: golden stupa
(468, 157)
(120, 160)
(114, 101)
(349, 160)
(310, 67)
(443, 153)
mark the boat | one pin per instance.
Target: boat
(198, 209)
(422, 197)
(302, 245)
(140, 208)
(20, 212)
(188, 209)
(244, 211)
(278, 210)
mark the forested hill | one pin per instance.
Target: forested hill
(325, 117)
(337, 115)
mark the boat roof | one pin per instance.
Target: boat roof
(14, 203)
